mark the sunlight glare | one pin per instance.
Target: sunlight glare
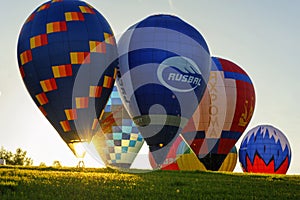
(80, 149)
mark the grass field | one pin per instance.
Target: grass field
(72, 183)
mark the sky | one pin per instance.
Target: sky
(263, 37)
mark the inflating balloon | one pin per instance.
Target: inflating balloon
(164, 69)
(223, 113)
(265, 149)
(227, 165)
(182, 157)
(66, 52)
(230, 161)
(119, 140)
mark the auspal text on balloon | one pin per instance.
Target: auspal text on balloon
(184, 78)
(179, 74)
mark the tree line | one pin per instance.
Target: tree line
(17, 158)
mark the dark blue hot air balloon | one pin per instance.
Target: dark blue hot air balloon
(164, 69)
(66, 54)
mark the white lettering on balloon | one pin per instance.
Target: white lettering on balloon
(183, 70)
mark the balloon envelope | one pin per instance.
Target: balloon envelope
(265, 149)
(182, 157)
(119, 140)
(164, 69)
(223, 113)
(212, 162)
(66, 52)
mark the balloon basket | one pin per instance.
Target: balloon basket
(80, 164)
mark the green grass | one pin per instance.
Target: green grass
(72, 183)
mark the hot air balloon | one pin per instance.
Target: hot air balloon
(182, 157)
(227, 165)
(179, 157)
(164, 69)
(67, 58)
(265, 149)
(230, 161)
(223, 113)
(119, 140)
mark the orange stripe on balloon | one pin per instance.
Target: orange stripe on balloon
(82, 102)
(74, 16)
(65, 126)
(95, 91)
(26, 57)
(42, 98)
(39, 40)
(96, 46)
(107, 82)
(48, 85)
(44, 7)
(30, 18)
(109, 38)
(56, 27)
(62, 71)
(71, 114)
(80, 57)
(85, 9)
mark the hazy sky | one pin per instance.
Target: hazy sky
(263, 37)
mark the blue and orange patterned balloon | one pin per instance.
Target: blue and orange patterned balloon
(119, 140)
(66, 54)
(164, 69)
(265, 149)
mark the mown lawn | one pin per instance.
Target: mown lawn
(72, 183)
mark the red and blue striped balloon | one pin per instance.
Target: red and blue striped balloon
(223, 113)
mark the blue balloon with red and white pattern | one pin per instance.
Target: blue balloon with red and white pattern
(265, 149)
